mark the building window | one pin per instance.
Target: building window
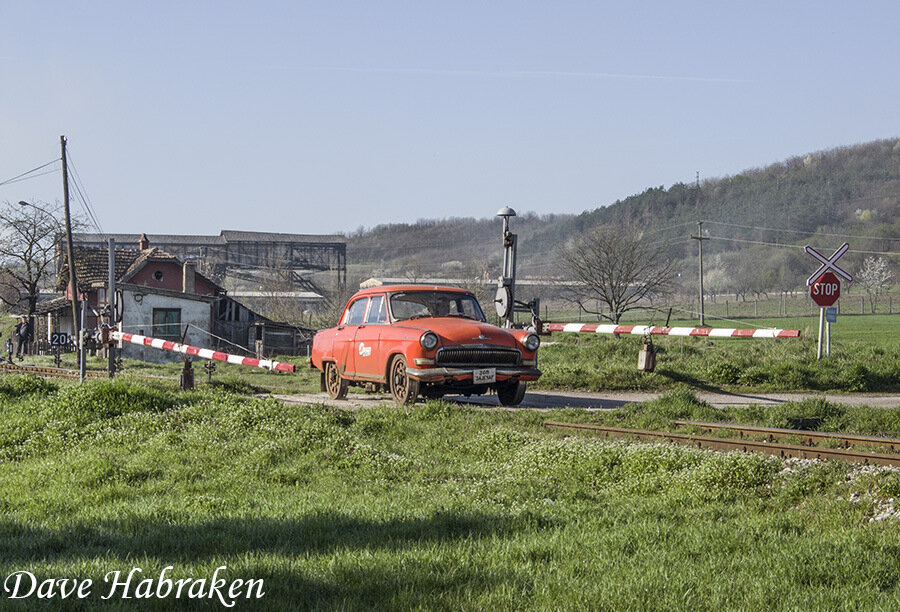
(167, 323)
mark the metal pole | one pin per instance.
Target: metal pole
(821, 330)
(699, 238)
(82, 365)
(69, 255)
(111, 304)
(827, 338)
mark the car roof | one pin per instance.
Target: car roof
(405, 288)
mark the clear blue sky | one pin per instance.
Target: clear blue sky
(191, 117)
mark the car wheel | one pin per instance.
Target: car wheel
(404, 389)
(335, 385)
(511, 393)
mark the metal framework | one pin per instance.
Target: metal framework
(248, 255)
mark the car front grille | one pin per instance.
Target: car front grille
(477, 357)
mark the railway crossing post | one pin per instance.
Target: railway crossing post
(825, 289)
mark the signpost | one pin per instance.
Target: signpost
(825, 288)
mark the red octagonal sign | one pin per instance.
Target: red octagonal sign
(825, 290)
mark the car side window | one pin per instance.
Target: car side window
(356, 312)
(377, 312)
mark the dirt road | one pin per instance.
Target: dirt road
(545, 400)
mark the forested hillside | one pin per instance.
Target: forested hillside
(756, 222)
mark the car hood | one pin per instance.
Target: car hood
(456, 330)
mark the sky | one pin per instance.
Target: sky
(325, 117)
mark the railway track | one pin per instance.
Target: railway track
(47, 372)
(767, 445)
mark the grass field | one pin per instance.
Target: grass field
(865, 357)
(432, 507)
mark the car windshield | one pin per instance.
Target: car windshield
(417, 304)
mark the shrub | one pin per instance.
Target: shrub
(724, 372)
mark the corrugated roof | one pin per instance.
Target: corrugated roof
(134, 239)
(223, 237)
(241, 236)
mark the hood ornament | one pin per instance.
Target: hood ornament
(480, 337)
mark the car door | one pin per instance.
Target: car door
(367, 359)
(344, 337)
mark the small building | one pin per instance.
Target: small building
(163, 297)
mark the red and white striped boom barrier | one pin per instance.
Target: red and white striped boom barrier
(177, 347)
(649, 330)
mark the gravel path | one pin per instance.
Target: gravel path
(546, 400)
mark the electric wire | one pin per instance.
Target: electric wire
(774, 229)
(80, 191)
(28, 178)
(795, 246)
(25, 174)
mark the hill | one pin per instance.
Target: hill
(848, 193)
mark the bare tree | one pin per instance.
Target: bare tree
(28, 235)
(875, 277)
(618, 267)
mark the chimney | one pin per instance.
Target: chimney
(188, 278)
(144, 243)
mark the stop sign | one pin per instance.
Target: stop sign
(825, 290)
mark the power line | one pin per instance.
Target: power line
(775, 229)
(24, 175)
(80, 192)
(794, 246)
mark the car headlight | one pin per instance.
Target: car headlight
(429, 341)
(531, 342)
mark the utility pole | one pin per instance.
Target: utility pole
(111, 305)
(699, 238)
(69, 255)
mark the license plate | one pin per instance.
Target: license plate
(484, 375)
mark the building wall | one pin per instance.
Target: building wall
(137, 318)
(171, 275)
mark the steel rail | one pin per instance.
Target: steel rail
(732, 444)
(48, 372)
(809, 438)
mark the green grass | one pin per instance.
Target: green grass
(226, 376)
(814, 413)
(430, 507)
(865, 359)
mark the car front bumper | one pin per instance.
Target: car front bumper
(464, 373)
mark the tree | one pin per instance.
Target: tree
(616, 266)
(875, 277)
(28, 239)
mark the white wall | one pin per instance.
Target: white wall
(137, 318)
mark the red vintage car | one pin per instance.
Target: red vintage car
(423, 340)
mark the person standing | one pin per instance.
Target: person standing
(24, 336)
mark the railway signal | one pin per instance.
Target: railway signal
(825, 288)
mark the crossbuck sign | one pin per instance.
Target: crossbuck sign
(828, 264)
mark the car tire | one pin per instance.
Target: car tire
(335, 384)
(511, 393)
(404, 389)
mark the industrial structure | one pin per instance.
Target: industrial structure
(249, 256)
